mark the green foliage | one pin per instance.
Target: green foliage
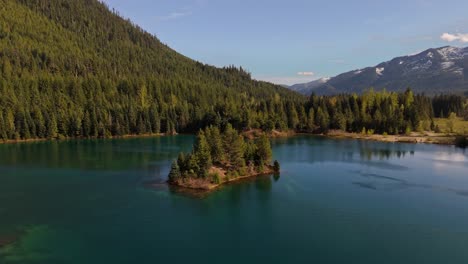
(445, 104)
(215, 178)
(175, 173)
(77, 69)
(263, 148)
(372, 112)
(202, 153)
(242, 171)
(232, 146)
(311, 120)
(251, 151)
(215, 143)
(451, 122)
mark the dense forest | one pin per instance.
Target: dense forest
(381, 112)
(77, 69)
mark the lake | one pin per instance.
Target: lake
(336, 201)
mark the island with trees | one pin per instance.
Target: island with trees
(220, 157)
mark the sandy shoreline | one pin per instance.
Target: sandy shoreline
(414, 137)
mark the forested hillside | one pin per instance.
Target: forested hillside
(77, 69)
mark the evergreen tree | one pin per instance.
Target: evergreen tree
(311, 120)
(52, 130)
(264, 152)
(202, 153)
(234, 146)
(322, 119)
(174, 174)
(215, 141)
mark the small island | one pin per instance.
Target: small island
(221, 157)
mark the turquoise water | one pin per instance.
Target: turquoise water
(336, 201)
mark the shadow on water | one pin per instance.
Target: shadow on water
(392, 183)
(367, 185)
(263, 183)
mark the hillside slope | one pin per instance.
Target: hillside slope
(77, 69)
(434, 71)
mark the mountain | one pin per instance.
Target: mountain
(78, 69)
(434, 71)
(304, 88)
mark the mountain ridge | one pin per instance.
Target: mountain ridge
(433, 71)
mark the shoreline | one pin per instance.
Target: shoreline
(34, 140)
(413, 137)
(256, 133)
(206, 185)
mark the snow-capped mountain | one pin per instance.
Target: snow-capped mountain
(304, 88)
(433, 71)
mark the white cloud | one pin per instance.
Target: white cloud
(174, 15)
(306, 73)
(455, 37)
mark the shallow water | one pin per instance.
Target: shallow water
(336, 201)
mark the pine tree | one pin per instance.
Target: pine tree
(311, 120)
(202, 153)
(215, 141)
(52, 129)
(322, 119)
(175, 173)
(3, 134)
(264, 152)
(234, 145)
(182, 162)
(293, 118)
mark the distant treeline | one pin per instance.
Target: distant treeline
(42, 108)
(381, 112)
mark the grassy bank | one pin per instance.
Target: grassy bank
(457, 126)
(414, 137)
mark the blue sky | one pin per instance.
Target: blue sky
(297, 41)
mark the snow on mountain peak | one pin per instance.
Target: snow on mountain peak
(447, 64)
(450, 53)
(379, 71)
